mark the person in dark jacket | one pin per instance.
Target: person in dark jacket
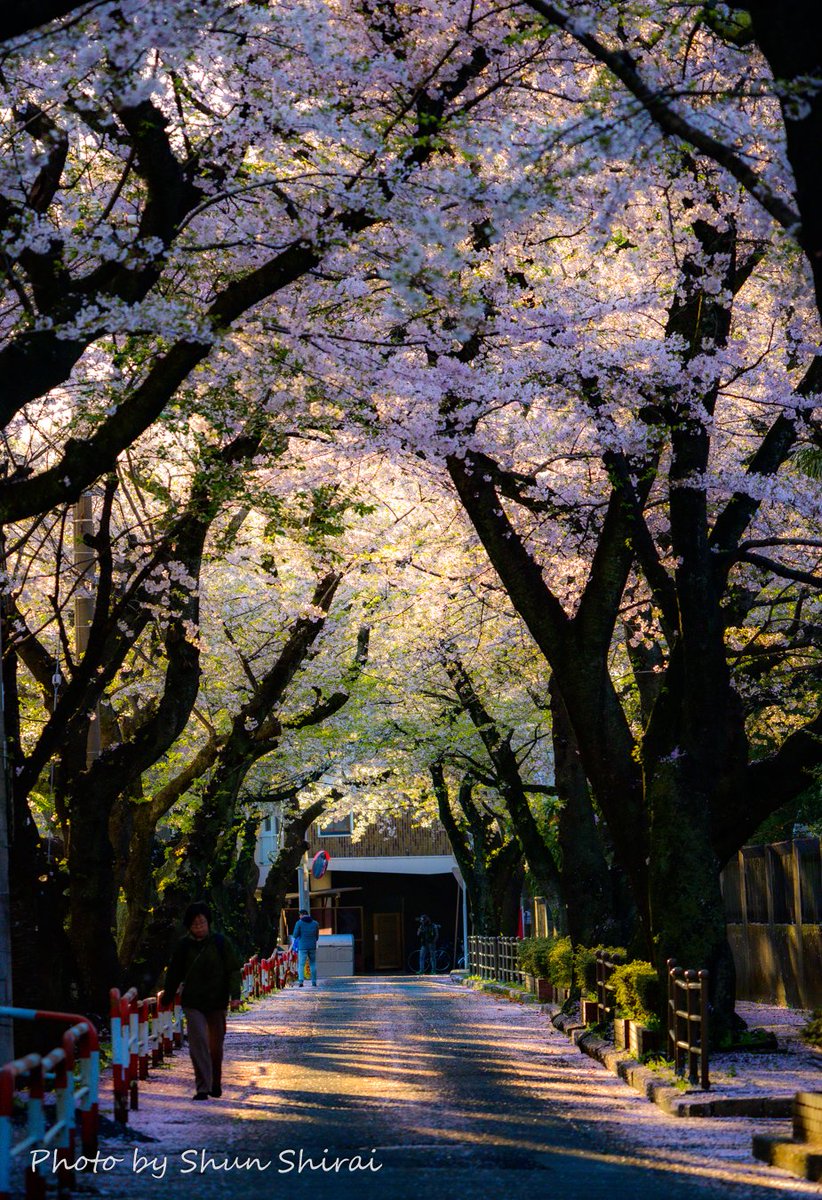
(306, 932)
(428, 932)
(208, 969)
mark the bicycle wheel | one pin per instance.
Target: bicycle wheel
(443, 959)
(414, 962)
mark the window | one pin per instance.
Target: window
(341, 828)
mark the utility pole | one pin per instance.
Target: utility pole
(302, 883)
(6, 1024)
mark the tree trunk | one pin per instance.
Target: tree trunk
(687, 909)
(489, 862)
(538, 854)
(790, 37)
(280, 878)
(92, 901)
(138, 885)
(584, 875)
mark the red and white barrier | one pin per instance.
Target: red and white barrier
(143, 1032)
(54, 1071)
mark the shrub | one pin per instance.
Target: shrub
(637, 991)
(812, 1032)
(542, 957)
(561, 963)
(532, 956)
(585, 968)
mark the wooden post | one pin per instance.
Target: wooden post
(671, 964)
(691, 981)
(769, 889)
(796, 865)
(704, 1030)
(743, 893)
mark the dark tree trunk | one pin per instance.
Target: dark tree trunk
(139, 889)
(92, 902)
(584, 874)
(790, 36)
(280, 878)
(41, 968)
(207, 851)
(490, 863)
(508, 885)
(538, 854)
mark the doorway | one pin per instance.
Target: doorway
(387, 941)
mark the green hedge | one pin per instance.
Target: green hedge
(547, 958)
(585, 968)
(533, 956)
(561, 963)
(637, 991)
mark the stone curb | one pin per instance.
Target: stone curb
(799, 1158)
(670, 1099)
(499, 989)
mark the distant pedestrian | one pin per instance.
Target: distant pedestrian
(306, 932)
(428, 932)
(210, 972)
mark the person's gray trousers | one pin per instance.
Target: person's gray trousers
(206, 1033)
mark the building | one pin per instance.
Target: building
(378, 887)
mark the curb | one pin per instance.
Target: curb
(670, 1099)
(797, 1157)
(499, 989)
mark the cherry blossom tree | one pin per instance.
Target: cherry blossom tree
(599, 481)
(548, 261)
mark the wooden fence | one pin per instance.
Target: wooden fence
(773, 906)
(606, 1003)
(495, 958)
(688, 1033)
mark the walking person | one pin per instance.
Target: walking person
(306, 932)
(428, 932)
(209, 970)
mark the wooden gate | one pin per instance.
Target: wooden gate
(387, 941)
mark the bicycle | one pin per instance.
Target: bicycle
(443, 960)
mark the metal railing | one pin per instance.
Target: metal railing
(74, 1093)
(143, 1032)
(260, 976)
(688, 1030)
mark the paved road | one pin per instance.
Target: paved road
(448, 1092)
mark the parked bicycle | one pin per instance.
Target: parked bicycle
(443, 960)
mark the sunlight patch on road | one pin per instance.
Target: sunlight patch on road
(677, 1164)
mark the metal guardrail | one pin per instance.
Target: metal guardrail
(688, 1030)
(144, 1033)
(55, 1072)
(260, 976)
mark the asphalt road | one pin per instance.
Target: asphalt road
(416, 1089)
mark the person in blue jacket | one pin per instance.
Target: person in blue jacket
(306, 932)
